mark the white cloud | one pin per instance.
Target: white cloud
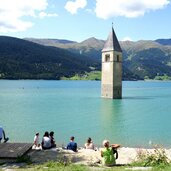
(44, 14)
(15, 26)
(72, 7)
(127, 8)
(127, 39)
(13, 11)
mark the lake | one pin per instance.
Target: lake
(69, 108)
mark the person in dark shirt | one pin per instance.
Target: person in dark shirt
(2, 135)
(51, 135)
(72, 145)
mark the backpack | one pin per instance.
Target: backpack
(115, 152)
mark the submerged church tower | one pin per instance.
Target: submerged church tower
(112, 68)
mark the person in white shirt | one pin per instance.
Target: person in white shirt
(36, 144)
(36, 139)
(46, 141)
(89, 144)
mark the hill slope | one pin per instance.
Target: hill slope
(140, 59)
(21, 59)
(164, 41)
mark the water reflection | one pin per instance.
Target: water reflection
(111, 119)
(122, 121)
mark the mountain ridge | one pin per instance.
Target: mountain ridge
(22, 59)
(141, 59)
(144, 58)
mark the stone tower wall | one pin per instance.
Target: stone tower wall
(112, 74)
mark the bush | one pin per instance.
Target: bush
(24, 159)
(156, 158)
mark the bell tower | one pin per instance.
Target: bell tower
(111, 68)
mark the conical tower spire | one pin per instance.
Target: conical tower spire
(112, 68)
(112, 42)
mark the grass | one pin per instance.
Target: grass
(156, 159)
(60, 166)
(54, 166)
(94, 75)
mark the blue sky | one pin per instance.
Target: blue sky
(78, 20)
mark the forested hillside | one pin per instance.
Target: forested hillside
(21, 59)
(56, 59)
(141, 59)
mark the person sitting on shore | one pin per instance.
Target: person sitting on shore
(46, 141)
(2, 135)
(72, 145)
(36, 144)
(108, 153)
(89, 144)
(52, 139)
(36, 139)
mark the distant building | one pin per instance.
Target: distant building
(112, 68)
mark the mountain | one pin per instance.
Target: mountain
(91, 47)
(164, 41)
(144, 58)
(22, 59)
(55, 58)
(48, 42)
(147, 58)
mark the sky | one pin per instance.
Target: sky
(78, 20)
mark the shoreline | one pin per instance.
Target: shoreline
(88, 157)
(84, 157)
(98, 146)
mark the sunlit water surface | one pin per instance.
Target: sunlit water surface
(68, 108)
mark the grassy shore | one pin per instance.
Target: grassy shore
(55, 166)
(156, 159)
(94, 75)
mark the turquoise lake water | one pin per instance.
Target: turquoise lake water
(76, 108)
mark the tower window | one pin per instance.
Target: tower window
(107, 58)
(117, 58)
